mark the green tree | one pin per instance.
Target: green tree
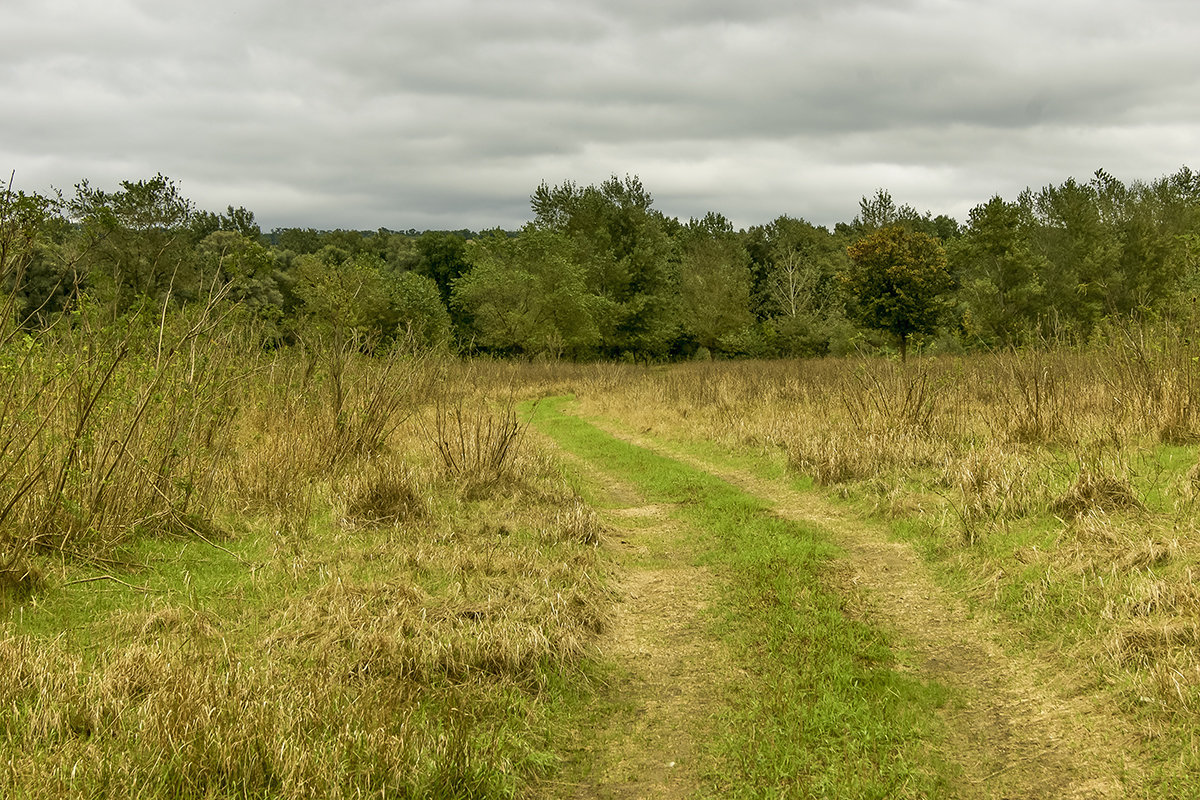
(298, 240)
(626, 253)
(442, 257)
(1001, 291)
(898, 281)
(421, 317)
(229, 257)
(798, 276)
(1080, 251)
(714, 281)
(37, 265)
(345, 300)
(880, 211)
(140, 240)
(527, 295)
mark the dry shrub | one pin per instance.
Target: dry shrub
(111, 429)
(477, 445)
(889, 395)
(1152, 370)
(1035, 400)
(828, 460)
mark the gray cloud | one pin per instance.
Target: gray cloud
(449, 113)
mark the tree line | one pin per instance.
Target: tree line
(600, 273)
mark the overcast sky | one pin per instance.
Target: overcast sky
(448, 113)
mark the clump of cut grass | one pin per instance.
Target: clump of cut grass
(1191, 482)
(1145, 644)
(575, 522)
(1094, 543)
(171, 621)
(401, 631)
(994, 487)
(1153, 596)
(382, 492)
(164, 722)
(1096, 489)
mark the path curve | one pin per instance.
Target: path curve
(1026, 727)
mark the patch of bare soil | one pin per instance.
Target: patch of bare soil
(1025, 725)
(669, 667)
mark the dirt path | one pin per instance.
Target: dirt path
(1025, 726)
(667, 662)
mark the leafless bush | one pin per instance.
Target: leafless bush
(1035, 399)
(476, 445)
(106, 430)
(896, 396)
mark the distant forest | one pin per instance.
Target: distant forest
(601, 274)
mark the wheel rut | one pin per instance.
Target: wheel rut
(668, 666)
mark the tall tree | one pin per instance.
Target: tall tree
(140, 239)
(38, 272)
(623, 246)
(999, 274)
(714, 280)
(526, 295)
(898, 281)
(443, 257)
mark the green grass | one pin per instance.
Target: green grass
(821, 711)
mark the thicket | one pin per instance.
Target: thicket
(599, 273)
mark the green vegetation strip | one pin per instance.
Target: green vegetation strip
(821, 711)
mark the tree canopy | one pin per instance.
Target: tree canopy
(601, 273)
(898, 281)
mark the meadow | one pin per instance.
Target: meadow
(236, 571)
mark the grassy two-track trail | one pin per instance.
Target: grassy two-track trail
(739, 671)
(768, 642)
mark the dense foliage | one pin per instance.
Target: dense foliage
(601, 274)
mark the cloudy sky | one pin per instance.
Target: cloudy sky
(448, 113)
